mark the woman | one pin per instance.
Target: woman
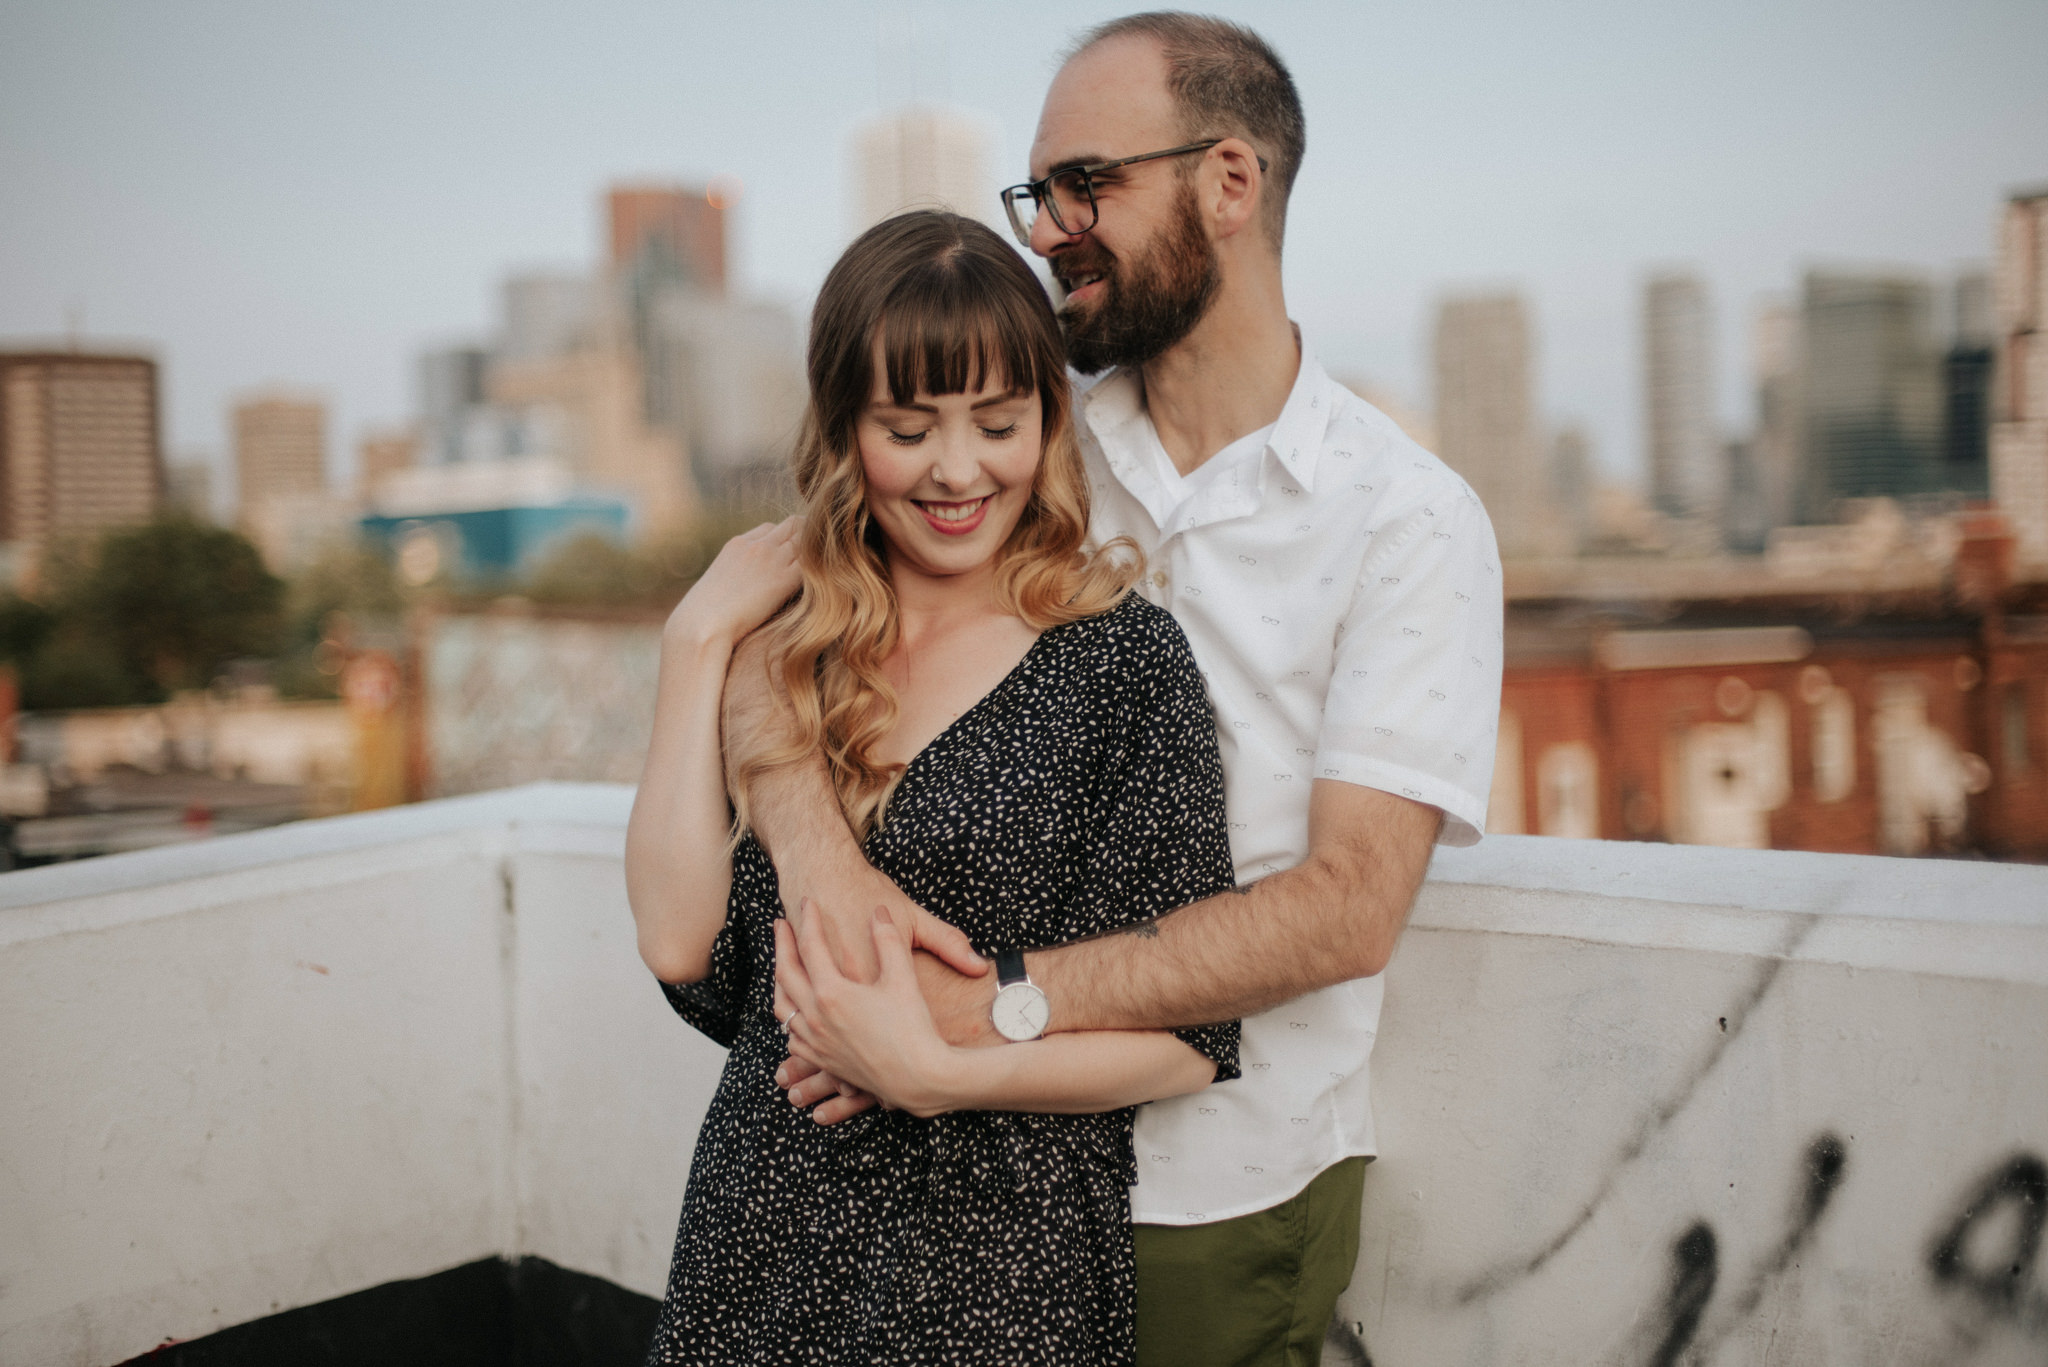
(1024, 746)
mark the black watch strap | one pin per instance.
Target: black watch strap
(1009, 967)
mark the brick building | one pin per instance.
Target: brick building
(669, 229)
(1905, 721)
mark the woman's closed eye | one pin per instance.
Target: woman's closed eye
(915, 438)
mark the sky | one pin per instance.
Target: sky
(307, 194)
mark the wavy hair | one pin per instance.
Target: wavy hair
(952, 306)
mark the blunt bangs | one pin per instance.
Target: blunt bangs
(951, 327)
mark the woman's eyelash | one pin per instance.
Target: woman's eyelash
(916, 438)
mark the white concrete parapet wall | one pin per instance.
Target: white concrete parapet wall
(275, 1068)
(1638, 1104)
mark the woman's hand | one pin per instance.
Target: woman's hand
(753, 575)
(876, 1036)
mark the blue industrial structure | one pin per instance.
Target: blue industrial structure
(491, 543)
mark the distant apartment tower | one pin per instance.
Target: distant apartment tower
(80, 446)
(1687, 469)
(666, 232)
(188, 486)
(2019, 435)
(1778, 452)
(381, 454)
(921, 158)
(1966, 389)
(280, 450)
(453, 389)
(1486, 419)
(546, 314)
(1872, 390)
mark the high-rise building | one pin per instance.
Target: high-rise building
(452, 385)
(1745, 516)
(382, 453)
(1872, 390)
(1573, 478)
(547, 314)
(1966, 389)
(282, 502)
(280, 449)
(727, 375)
(665, 232)
(80, 446)
(1686, 468)
(1777, 455)
(1486, 418)
(2019, 436)
(922, 158)
(188, 486)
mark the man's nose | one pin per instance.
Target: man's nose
(1047, 236)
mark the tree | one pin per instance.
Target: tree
(328, 605)
(151, 609)
(590, 569)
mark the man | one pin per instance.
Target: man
(1341, 592)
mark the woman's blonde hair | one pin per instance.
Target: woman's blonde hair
(951, 304)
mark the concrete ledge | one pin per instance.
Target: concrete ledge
(1637, 1103)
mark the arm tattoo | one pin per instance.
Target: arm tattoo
(1143, 930)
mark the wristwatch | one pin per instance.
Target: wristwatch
(1020, 1009)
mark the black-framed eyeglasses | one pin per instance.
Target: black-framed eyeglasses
(1068, 194)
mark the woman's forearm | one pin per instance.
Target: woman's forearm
(678, 871)
(1071, 1074)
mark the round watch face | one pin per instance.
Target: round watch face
(1020, 1012)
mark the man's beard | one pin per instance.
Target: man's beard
(1147, 305)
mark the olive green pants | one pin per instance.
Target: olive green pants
(1256, 1291)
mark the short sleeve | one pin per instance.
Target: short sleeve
(1164, 841)
(717, 1005)
(1414, 700)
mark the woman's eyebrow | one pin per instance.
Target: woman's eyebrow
(1010, 397)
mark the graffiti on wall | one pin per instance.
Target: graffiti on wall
(513, 699)
(1717, 1282)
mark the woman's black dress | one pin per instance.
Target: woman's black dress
(1081, 794)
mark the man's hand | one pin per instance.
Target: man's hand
(807, 1086)
(960, 1004)
(844, 907)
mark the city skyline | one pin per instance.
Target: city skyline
(410, 162)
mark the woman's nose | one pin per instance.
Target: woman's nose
(956, 465)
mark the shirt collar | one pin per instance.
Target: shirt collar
(1304, 419)
(1114, 402)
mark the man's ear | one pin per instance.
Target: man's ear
(1237, 186)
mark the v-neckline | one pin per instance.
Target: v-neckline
(1000, 686)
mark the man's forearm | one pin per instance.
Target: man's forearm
(1222, 958)
(1333, 918)
(790, 807)
(796, 816)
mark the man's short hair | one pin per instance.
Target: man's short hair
(1226, 81)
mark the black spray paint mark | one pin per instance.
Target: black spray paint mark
(1655, 1123)
(2001, 1281)
(1695, 1267)
(1344, 1343)
(1824, 1163)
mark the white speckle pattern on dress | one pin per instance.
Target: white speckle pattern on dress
(1084, 792)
